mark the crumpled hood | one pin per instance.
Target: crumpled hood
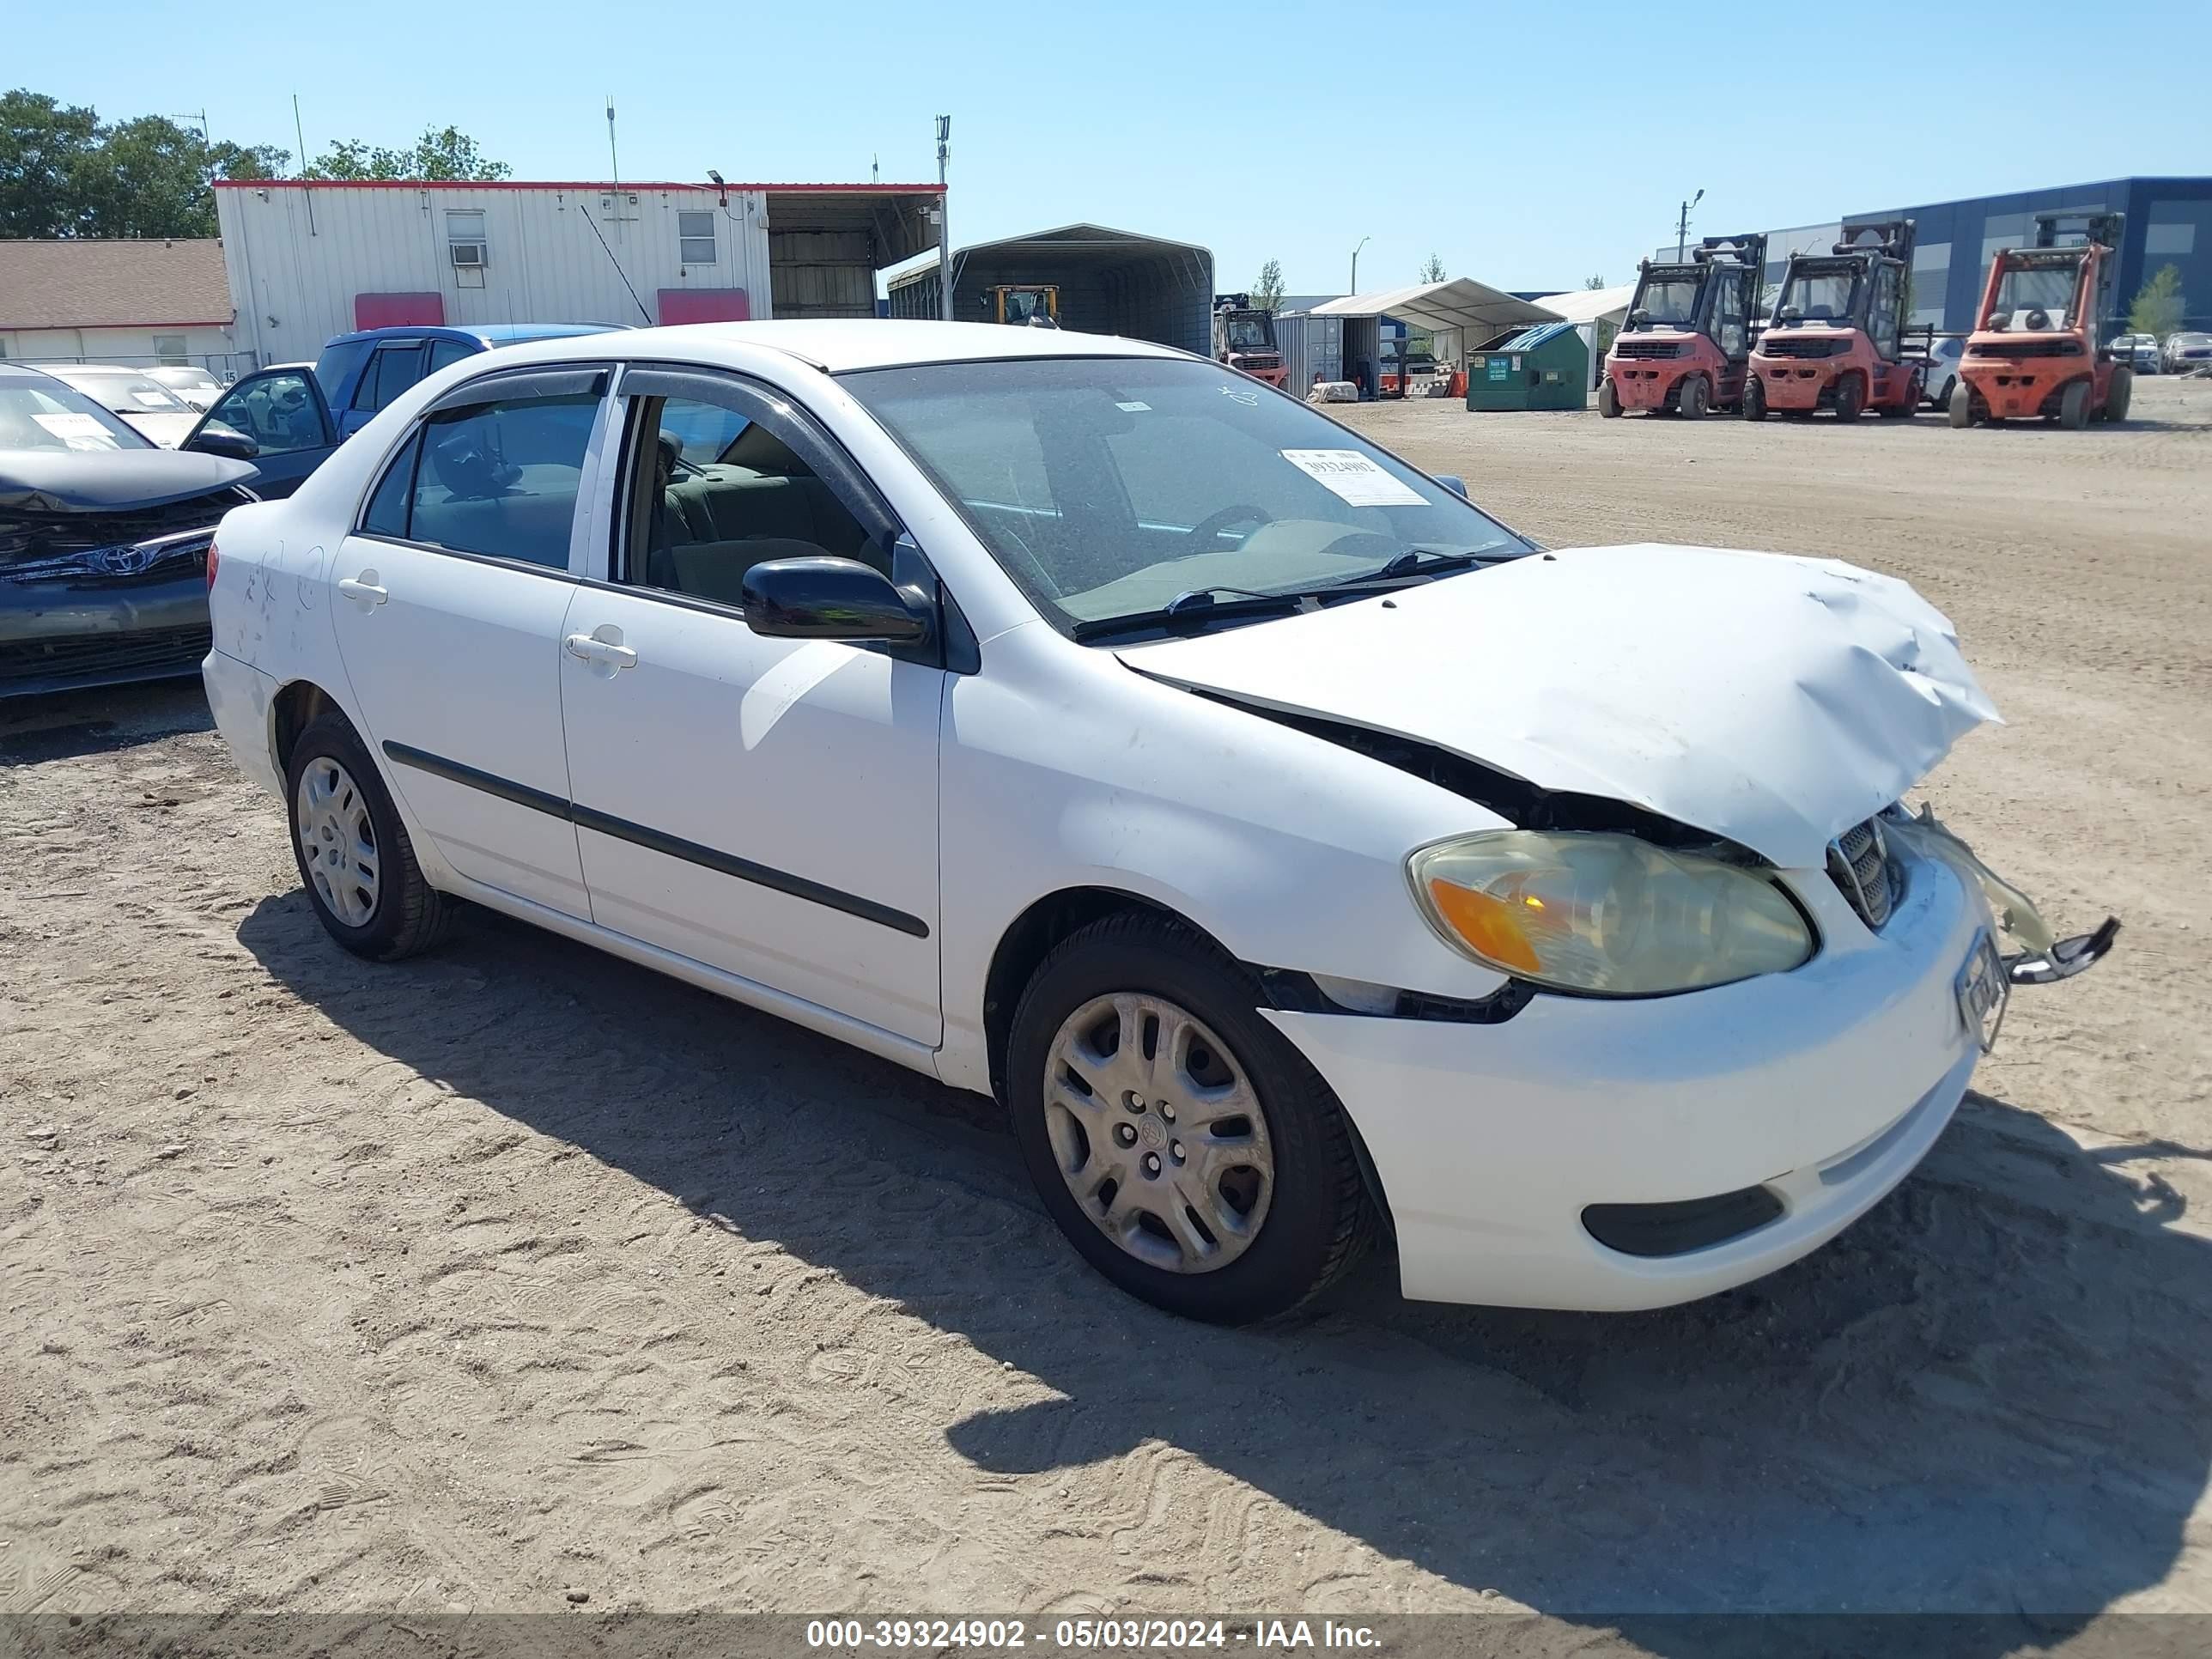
(105, 480)
(1772, 700)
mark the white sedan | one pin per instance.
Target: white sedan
(1302, 856)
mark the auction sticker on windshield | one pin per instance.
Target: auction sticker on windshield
(78, 431)
(1351, 476)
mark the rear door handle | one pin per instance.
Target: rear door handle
(602, 649)
(362, 589)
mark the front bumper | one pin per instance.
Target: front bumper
(67, 633)
(1797, 384)
(1825, 1086)
(1646, 383)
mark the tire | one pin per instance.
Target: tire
(402, 914)
(2074, 406)
(1608, 402)
(1755, 397)
(1962, 405)
(1316, 1219)
(1907, 409)
(2119, 394)
(1942, 400)
(1695, 398)
(1850, 395)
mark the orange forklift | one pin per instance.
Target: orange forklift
(1689, 331)
(2034, 353)
(1839, 340)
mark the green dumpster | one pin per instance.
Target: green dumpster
(1546, 367)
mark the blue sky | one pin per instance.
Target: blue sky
(1289, 129)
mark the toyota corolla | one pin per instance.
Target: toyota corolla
(1304, 858)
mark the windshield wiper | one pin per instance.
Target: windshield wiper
(1421, 559)
(1194, 606)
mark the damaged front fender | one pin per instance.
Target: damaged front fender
(2043, 958)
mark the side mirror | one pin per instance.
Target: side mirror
(827, 599)
(216, 438)
(1452, 482)
(1790, 314)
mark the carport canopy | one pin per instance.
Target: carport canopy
(1590, 305)
(1462, 303)
(1111, 282)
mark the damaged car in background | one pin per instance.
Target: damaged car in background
(104, 541)
(1304, 859)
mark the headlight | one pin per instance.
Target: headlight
(1605, 914)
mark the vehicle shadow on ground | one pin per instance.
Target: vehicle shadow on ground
(97, 721)
(1990, 1397)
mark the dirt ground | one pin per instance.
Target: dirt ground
(516, 1270)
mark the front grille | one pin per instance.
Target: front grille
(1807, 349)
(1259, 360)
(1858, 862)
(102, 653)
(1647, 349)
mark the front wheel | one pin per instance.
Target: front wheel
(1695, 398)
(2074, 406)
(1755, 397)
(1962, 406)
(352, 851)
(1186, 1149)
(2119, 394)
(1851, 398)
(1608, 402)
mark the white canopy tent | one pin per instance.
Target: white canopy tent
(1598, 314)
(1458, 314)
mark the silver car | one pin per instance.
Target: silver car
(197, 386)
(2138, 351)
(2187, 352)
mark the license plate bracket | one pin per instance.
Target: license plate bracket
(1983, 989)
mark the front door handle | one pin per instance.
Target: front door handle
(363, 590)
(603, 648)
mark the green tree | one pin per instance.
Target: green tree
(1593, 282)
(42, 144)
(1432, 269)
(2158, 305)
(441, 153)
(1267, 292)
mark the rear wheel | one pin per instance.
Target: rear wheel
(1908, 408)
(1851, 396)
(1695, 398)
(2119, 394)
(1755, 397)
(353, 852)
(1608, 401)
(2074, 406)
(1186, 1149)
(1962, 405)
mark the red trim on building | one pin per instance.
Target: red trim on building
(562, 184)
(417, 310)
(703, 304)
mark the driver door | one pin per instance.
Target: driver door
(283, 411)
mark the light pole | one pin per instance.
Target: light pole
(944, 220)
(1682, 226)
(1364, 241)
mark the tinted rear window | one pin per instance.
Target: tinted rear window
(335, 364)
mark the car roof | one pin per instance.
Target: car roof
(487, 334)
(839, 345)
(62, 371)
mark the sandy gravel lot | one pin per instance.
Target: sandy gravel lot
(515, 1270)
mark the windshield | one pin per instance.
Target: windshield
(2047, 288)
(132, 394)
(48, 414)
(1107, 487)
(1248, 334)
(189, 379)
(1817, 295)
(1670, 299)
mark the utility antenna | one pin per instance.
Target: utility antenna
(614, 167)
(300, 133)
(944, 220)
(199, 118)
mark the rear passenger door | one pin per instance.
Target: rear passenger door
(393, 367)
(766, 806)
(450, 599)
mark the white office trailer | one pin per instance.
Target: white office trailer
(308, 259)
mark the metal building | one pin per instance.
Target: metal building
(1110, 282)
(308, 259)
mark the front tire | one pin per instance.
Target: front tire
(2119, 394)
(1962, 405)
(1186, 1149)
(1754, 396)
(1695, 398)
(352, 851)
(1608, 402)
(1851, 396)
